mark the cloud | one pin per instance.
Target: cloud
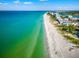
(1, 3)
(17, 2)
(43, 0)
(27, 2)
(5, 3)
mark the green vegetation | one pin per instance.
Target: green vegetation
(73, 40)
(70, 12)
(62, 17)
(70, 28)
(51, 16)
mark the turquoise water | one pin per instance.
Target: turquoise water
(76, 16)
(22, 34)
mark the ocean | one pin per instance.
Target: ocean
(22, 34)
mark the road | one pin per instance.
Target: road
(58, 47)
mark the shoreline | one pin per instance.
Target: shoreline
(57, 46)
(49, 49)
(46, 43)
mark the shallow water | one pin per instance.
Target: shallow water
(22, 34)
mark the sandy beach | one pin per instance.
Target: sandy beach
(57, 45)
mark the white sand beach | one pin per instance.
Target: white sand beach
(57, 45)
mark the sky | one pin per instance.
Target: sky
(39, 4)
